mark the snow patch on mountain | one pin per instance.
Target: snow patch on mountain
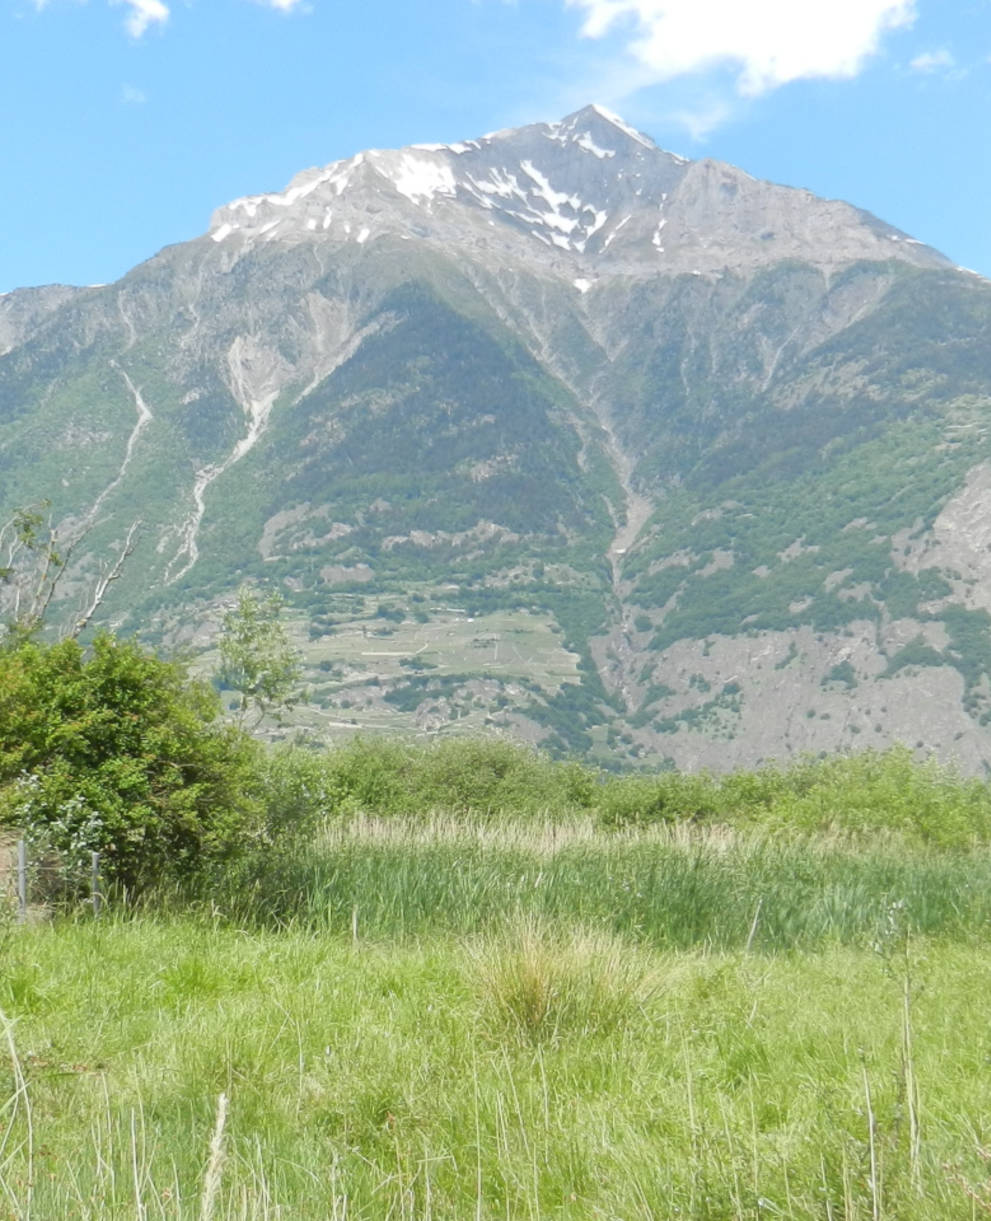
(240, 213)
(610, 237)
(499, 182)
(554, 199)
(420, 178)
(462, 146)
(586, 142)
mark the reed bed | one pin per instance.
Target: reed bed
(665, 886)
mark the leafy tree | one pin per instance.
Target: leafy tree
(256, 657)
(118, 751)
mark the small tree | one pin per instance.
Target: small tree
(256, 656)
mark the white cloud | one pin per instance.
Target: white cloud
(143, 13)
(132, 95)
(771, 42)
(933, 61)
(283, 6)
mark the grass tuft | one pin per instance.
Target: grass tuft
(544, 985)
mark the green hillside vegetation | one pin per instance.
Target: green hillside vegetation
(758, 521)
(440, 426)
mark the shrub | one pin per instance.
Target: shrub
(369, 776)
(465, 776)
(485, 775)
(298, 791)
(923, 803)
(890, 791)
(118, 751)
(664, 797)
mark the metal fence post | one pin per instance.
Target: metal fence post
(95, 883)
(22, 881)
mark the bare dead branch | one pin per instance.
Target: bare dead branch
(29, 533)
(106, 579)
(33, 562)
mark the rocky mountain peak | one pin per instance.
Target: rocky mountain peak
(587, 193)
(552, 183)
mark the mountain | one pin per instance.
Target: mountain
(551, 431)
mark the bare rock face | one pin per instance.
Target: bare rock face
(957, 544)
(21, 311)
(616, 451)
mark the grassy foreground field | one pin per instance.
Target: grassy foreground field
(516, 1020)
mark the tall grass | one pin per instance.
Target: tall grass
(675, 889)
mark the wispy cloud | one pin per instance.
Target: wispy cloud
(767, 43)
(132, 95)
(933, 61)
(142, 14)
(701, 119)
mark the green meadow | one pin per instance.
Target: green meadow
(635, 997)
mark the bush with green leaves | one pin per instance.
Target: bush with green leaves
(665, 797)
(113, 749)
(475, 777)
(891, 793)
(923, 802)
(299, 792)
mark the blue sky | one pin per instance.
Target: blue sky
(124, 123)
